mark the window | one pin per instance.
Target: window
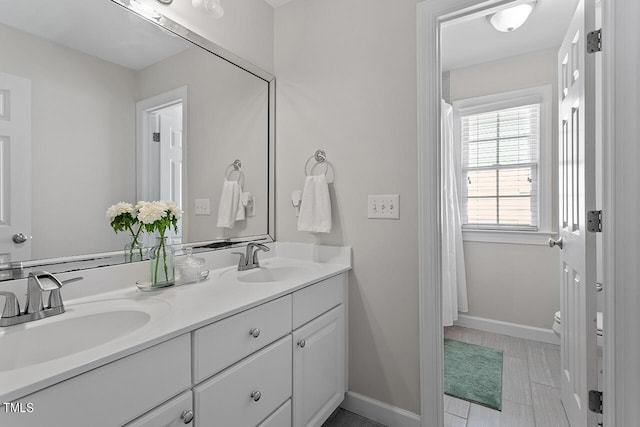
(500, 164)
(505, 146)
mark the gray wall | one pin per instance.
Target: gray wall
(83, 125)
(346, 74)
(513, 283)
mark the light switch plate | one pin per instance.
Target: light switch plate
(384, 207)
(203, 207)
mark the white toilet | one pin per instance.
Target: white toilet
(557, 325)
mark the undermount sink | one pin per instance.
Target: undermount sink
(82, 327)
(271, 272)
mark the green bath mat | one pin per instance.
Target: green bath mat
(473, 373)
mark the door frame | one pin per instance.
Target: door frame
(430, 15)
(620, 227)
(144, 109)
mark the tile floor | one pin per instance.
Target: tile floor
(344, 418)
(530, 387)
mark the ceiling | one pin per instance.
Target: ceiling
(474, 41)
(465, 42)
(98, 28)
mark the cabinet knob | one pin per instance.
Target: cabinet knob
(254, 332)
(187, 416)
(302, 343)
(256, 395)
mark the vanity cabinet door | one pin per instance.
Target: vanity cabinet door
(113, 394)
(223, 343)
(280, 418)
(312, 301)
(319, 361)
(175, 413)
(247, 392)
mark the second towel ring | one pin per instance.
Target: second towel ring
(236, 166)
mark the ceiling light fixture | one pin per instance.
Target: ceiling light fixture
(512, 18)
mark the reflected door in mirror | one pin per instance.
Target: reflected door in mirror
(15, 168)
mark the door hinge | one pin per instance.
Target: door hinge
(595, 401)
(594, 41)
(594, 221)
(156, 137)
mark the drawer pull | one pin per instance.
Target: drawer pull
(256, 395)
(187, 416)
(302, 343)
(254, 332)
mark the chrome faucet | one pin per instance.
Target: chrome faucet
(249, 259)
(37, 284)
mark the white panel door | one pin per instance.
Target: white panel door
(170, 128)
(576, 97)
(15, 168)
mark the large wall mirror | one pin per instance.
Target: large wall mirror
(104, 101)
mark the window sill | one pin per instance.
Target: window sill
(539, 238)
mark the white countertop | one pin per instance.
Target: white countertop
(184, 309)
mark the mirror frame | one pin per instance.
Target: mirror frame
(21, 269)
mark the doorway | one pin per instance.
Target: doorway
(15, 171)
(433, 16)
(161, 123)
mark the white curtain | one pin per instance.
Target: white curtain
(454, 279)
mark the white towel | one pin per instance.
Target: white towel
(241, 215)
(229, 204)
(315, 209)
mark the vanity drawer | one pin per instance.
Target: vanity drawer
(113, 394)
(223, 343)
(225, 400)
(169, 414)
(314, 300)
(280, 418)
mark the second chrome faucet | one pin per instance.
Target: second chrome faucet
(249, 259)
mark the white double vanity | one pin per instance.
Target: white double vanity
(264, 347)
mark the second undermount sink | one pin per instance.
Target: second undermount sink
(270, 272)
(82, 327)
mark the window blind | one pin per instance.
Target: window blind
(500, 165)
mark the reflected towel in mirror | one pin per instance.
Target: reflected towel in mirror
(315, 209)
(230, 208)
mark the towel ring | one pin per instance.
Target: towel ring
(236, 166)
(320, 157)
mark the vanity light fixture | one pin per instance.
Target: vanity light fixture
(512, 18)
(209, 7)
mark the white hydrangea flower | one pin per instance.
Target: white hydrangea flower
(150, 212)
(140, 204)
(172, 207)
(118, 209)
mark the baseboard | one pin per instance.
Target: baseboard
(506, 328)
(381, 412)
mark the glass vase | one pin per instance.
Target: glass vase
(134, 251)
(161, 262)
